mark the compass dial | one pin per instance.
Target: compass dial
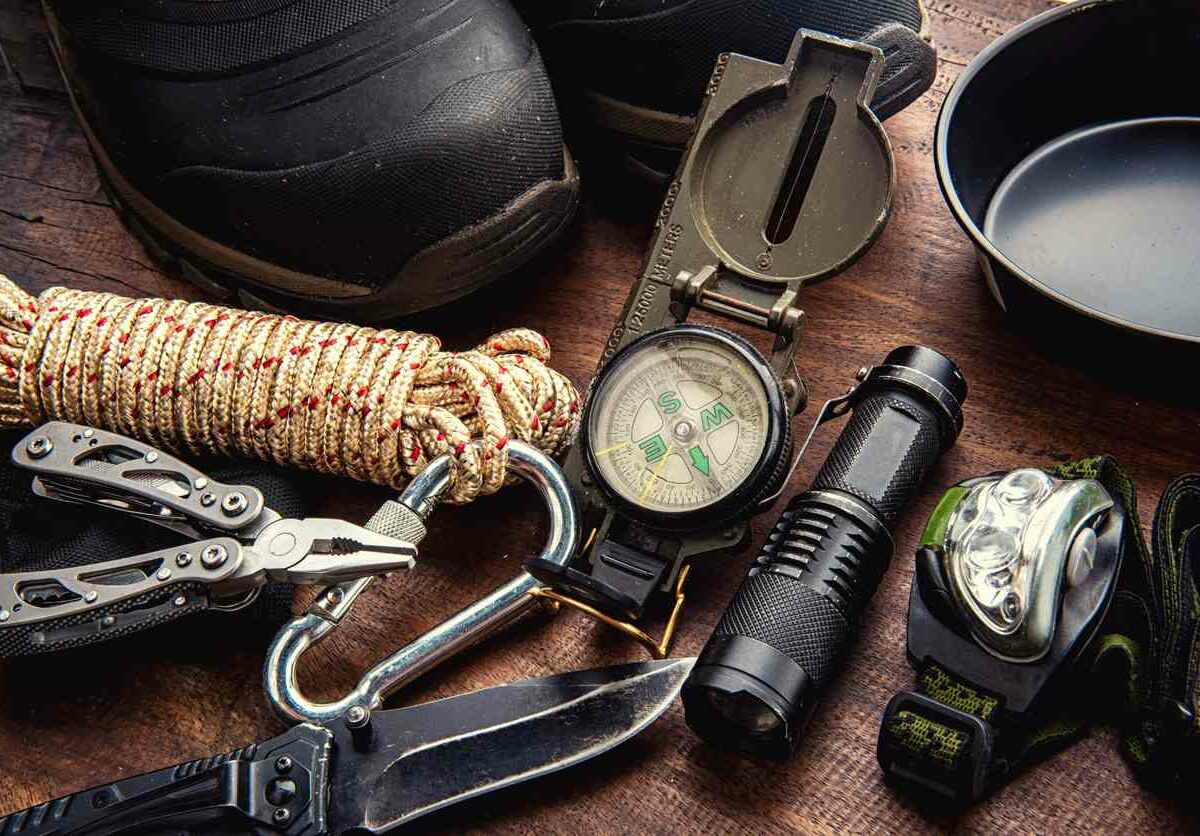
(684, 420)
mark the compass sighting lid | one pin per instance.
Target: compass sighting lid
(789, 178)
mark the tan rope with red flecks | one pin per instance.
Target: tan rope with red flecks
(372, 404)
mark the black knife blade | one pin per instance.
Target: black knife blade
(314, 780)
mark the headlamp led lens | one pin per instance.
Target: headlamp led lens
(984, 540)
(1012, 545)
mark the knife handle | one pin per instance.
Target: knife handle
(275, 787)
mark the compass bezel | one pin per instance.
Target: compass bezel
(744, 497)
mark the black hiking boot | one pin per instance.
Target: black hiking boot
(355, 160)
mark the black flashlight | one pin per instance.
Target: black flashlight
(779, 641)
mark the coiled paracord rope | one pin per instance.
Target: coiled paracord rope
(375, 405)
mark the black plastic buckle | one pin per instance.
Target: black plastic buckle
(620, 583)
(918, 773)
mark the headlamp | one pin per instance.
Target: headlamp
(1012, 581)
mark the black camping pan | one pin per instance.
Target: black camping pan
(1069, 151)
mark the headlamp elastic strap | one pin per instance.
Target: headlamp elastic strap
(1161, 735)
(939, 741)
(951, 742)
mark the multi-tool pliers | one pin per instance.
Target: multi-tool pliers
(238, 545)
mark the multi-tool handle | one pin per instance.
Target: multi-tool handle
(275, 787)
(55, 609)
(80, 464)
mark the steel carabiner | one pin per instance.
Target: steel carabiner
(405, 519)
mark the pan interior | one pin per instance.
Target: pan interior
(1109, 215)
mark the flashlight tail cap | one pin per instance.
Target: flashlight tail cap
(928, 374)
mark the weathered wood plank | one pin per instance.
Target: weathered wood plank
(26, 62)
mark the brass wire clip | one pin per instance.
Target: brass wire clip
(659, 648)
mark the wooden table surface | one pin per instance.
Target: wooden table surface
(72, 720)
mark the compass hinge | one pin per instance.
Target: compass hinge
(704, 289)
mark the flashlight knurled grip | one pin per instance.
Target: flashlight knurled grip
(827, 553)
(878, 463)
(805, 592)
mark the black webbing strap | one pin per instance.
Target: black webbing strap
(1158, 639)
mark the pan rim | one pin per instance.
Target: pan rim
(963, 217)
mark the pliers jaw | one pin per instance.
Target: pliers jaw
(326, 551)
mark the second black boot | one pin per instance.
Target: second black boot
(635, 71)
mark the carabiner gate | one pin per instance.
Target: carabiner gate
(405, 519)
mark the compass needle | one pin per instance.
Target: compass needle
(613, 449)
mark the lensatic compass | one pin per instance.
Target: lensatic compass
(686, 431)
(687, 427)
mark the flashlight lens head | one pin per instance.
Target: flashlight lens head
(745, 711)
(747, 696)
(720, 710)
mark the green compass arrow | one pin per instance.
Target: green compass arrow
(699, 460)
